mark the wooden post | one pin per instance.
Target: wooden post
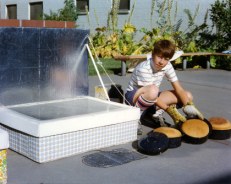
(184, 64)
(123, 67)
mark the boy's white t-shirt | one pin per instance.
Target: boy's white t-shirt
(145, 74)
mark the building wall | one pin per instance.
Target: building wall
(98, 12)
(23, 8)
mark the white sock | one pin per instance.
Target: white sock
(158, 113)
(143, 103)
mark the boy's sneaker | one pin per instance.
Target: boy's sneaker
(158, 116)
(154, 120)
(160, 119)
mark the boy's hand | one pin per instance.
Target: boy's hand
(191, 111)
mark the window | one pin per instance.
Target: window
(124, 6)
(81, 5)
(36, 10)
(12, 11)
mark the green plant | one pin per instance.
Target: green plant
(68, 13)
(107, 44)
(218, 40)
(109, 41)
(221, 18)
(164, 29)
(114, 14)
(189, 37)
(223, 63)
(152, 11)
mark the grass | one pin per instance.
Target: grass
(111, 66)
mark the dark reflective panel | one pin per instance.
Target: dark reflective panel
(111, 158)
(42, 64)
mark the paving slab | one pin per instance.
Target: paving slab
(193, 164)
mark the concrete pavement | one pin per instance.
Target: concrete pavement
(193, 164)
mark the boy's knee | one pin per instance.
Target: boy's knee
(153, 92)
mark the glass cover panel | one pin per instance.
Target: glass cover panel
(61, 109)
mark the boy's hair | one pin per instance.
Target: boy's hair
(164, 48)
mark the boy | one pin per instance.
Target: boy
(143, 88)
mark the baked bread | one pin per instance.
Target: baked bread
(221, 128)
(170, 132)
(219, 123)
(195, 128)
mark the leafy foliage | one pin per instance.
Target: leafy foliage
(219, 39)
(68, 13)
(221, 18)
(110, 41)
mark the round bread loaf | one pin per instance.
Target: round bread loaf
(221, 128)
(195, 128)
(219, 123)
(170, 132)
